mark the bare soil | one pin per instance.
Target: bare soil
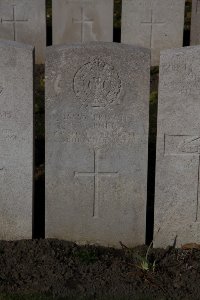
(65, 270)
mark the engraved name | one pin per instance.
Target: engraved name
(99, 129)
(8, 134)
(5, 114)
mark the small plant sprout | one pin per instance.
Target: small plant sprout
(143, 261)
(145, 264)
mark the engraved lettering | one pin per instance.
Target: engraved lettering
(103, 130)
(192, 81)
(5, 114)
(8, 134)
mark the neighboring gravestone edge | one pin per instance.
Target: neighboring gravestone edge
(177, 189)
(17, 23)
(16, 140)
(97, 106)
(195, 23)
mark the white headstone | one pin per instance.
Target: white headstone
(195, 23)
(177, 202)
(155, 24)
(82, 21)
(97, 99)
(24, 21)
(16, 140)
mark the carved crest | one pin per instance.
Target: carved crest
(97, 83)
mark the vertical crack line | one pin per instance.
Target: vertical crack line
(94, 202)
(197, 6)
(96, 179)
(14, 29)
(198, 186)
(151, 32)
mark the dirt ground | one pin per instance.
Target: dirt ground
(64, 269)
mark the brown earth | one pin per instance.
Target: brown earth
(63, 269)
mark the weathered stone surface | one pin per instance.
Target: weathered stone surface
(177, 210)
(24, 21)
(16, 140)
(155, 24)
(76, 21)
(96, 143)
(195, 23)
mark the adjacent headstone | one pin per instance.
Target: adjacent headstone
(155, 24)
(195, 23)
(24, 21)
(96, 143)
(76, 21)
(16, 140)
(177, 202)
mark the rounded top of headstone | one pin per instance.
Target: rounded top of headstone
(179, 50)
(99, 45)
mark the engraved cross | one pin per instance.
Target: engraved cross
(186, 145)
(82, 22)
(13, 21)
(152, 23)
(96, 174)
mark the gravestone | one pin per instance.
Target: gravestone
(96, 143)
(16, 140)
(177, 208)
(76, 21)
(24, 21)
(155, 24)
(195, 23)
